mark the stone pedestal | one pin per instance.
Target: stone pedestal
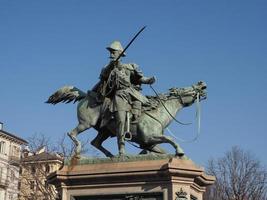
(146, 179)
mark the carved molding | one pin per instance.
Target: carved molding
(181, 195)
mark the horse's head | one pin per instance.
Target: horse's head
(189, 95)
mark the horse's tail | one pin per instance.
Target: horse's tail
(66, 94)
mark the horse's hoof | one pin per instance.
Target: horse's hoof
(76, 156)
(122, 157)
(110, 155)
(179, 154)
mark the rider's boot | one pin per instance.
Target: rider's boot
(120, 119)
(179, 152)
(136, 111)
(121, 145)
(134, 119)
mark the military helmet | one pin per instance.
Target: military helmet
(116, 46)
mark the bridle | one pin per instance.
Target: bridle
(179, 96)
(162, 103)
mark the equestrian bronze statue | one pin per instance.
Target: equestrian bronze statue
(148, 132)
(116, 107)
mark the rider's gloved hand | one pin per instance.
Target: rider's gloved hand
(152, 80)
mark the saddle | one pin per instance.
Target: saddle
(154, 102)
(106, 115)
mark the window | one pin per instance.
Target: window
(47, 168)
(20, 170)
(46, 184)
(1, 172)
(31, 197)
(32, 185)
(12, 176)
(19, 185)
(15, 151)
(3, 147)
(10, 196)
(33, 170)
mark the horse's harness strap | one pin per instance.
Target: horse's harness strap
(198, 125)
(167, 108)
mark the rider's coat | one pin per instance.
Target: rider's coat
(122, 85)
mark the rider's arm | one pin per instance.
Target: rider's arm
(140, 76)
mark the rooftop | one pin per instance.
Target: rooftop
(12, 137)
(44, 156)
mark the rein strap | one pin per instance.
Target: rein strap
(179, 122)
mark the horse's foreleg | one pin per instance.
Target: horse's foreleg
(166, 139)
(73, 135)
(97, 143)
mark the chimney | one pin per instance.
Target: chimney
(1, 126)
(41, 150)
(25, 152)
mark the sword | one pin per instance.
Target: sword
(136, 35)
(111, 67)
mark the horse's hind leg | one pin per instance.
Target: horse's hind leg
(73, 135)
(166, 139)
(99, 139)
(154, 149)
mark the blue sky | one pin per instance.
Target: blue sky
(45, 45)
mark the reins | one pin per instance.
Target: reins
(197, 117)
(167, 108)
(198, 125)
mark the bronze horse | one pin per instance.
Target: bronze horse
(150, 128)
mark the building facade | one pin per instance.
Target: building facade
(10, 154)
(35, 167)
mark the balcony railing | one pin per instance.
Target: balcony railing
(14, 160)
(3, 182)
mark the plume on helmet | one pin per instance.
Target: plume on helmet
(66, 94)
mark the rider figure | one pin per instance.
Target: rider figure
(121, 84)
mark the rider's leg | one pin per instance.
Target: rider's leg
(136, 110)
(120, 120)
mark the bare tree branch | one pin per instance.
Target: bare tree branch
(33, 182)
(239, 176)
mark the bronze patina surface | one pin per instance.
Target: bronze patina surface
(116, 107)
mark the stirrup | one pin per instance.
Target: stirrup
(128, 136)
(135, 121)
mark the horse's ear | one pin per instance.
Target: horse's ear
(173, 91)
(201, 83)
